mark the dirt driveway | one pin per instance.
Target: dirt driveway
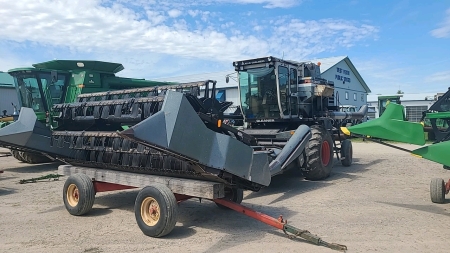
(381, 203)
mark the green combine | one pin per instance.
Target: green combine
(392, 125)
(61, 81)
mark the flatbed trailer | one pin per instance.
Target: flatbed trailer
(156, 205)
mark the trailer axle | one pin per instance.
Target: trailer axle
(281, 224)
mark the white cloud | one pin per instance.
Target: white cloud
(155, 17)
(118, 33)
(444, 28)
(267, 3)
(227, 25)
(174, 13)
(304, 38)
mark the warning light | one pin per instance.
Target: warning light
(219, 123)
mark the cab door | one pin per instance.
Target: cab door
(293, 89)
(283, 91)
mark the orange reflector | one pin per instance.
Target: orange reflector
(292, 132)
(219, 123)
(80, 85)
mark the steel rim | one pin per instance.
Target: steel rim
(150, 211)
(325, 153)
(72, 195)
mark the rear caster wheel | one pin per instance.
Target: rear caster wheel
(156, 211)
(78, 194)
(437, 190)
(346, 153)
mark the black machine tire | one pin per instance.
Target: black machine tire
(234, 194)
(16, 154)
(319, 154)
(33, 158)
(78, 194)
(156, 210)
(437, 190)
(346, 153)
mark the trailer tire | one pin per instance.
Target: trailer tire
(346, 153)
(235, 194)
(16, 154)
(437, 190)
(155, 210)
(319, 154)
(78, 194)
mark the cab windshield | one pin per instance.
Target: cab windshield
(38, 90)
(258, 93)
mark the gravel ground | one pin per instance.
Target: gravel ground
(381, 203)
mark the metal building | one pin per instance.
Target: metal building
(8, 93)
(350, 87)
(414, 104)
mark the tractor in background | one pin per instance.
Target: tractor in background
(383, 101)
(61, 81)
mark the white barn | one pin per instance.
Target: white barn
(350, 87)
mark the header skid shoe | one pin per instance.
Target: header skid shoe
(177, 129)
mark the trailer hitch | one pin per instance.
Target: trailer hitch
(305, 234)
(281, 224)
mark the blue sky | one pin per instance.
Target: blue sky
(394, 44)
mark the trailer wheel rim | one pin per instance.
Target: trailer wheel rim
(150, 211)
(325, 153)
(73, 195)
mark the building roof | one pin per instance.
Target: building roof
(328, 63)
(6, 80)
(405, 97)
(70, 65)
(325, 64)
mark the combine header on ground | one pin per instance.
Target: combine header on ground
(392, 125)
